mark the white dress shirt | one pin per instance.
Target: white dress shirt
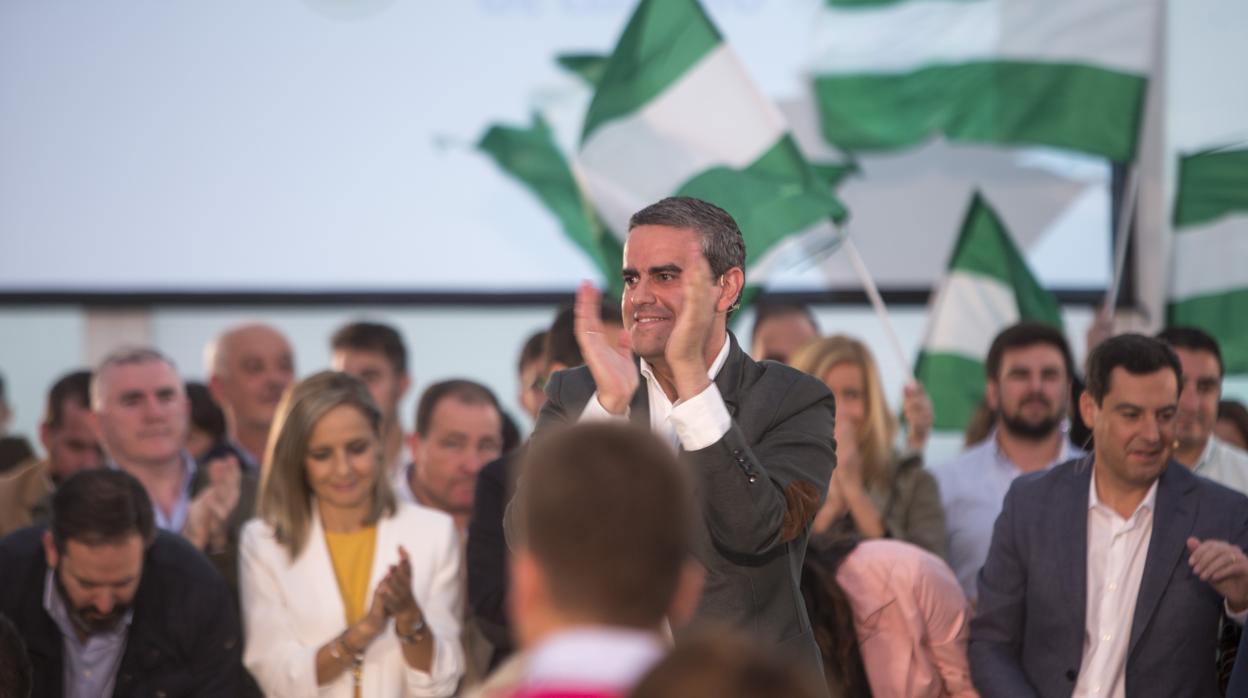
(1117, 549)
(692, 424)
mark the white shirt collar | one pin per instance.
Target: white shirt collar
(1149, 502)
(595, 656)
(720, 359)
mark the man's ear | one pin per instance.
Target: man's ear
(1088, 408)
(49, 550)
(733, 283)
(992, 395)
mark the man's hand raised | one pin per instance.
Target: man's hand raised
(686, 346)
(611, 365)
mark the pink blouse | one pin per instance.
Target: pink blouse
(911, 618)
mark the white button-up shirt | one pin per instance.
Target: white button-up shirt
(694, 423)
(1117, 549)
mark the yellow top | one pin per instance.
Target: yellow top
(352, 555)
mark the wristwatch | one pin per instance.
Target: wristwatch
(412, 636)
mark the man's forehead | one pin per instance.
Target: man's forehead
(254, 342)
(1197, 361)
(658, 244)
(145, 375)
(1033, 355)
(455, 414)
(1156, 389)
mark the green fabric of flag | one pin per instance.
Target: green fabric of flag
(1209, 274)
(987, 288)
(1070, 74)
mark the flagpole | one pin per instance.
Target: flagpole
(877, 301)
(1121, 237)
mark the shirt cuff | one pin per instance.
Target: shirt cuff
(701, 420)
(595, 412)
(1239, 618)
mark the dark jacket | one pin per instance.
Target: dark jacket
(184, 638)
(759, 487)
(1027, 637)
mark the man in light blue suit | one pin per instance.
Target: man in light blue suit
(1108, 575)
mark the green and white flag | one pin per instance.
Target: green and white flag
(1065, 73)
(1209, 276)
(532, 156)
(988, 287)
(675, 113)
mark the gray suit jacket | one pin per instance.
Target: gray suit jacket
(1028, 633)
(759, 486)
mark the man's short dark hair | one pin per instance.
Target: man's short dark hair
(1137, 354)
(15, 669)
(375, 337)
(561, 346)
(1193, 339)
(606, 511)
(74, 386)
(532, 350)
(462, 389)
(1022, 335)
(722, 242)
(767, 310)
(101, 506)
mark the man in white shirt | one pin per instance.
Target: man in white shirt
(1108, 575)
(1197, 447)
(1029, 369)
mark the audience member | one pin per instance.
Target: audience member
(109, 605)
(459, 428)
(602, 533)
(1232, 424)
(891, 619)
(249, 367)
(780, 330)
(759, 436)
(1196, 445)
(486, 550)
(375, 354)
(1108, 574)
(345, 591)
(722, 665)
(1029, 370)
(71, 446)
(530, 369)
(874, 492)
(15, 679)
(207, 423)
(140, 415)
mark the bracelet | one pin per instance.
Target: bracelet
(413, 636)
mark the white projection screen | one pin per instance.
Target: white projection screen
(327, 146)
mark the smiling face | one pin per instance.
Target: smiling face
(1133, 426)
(343, 461)
(654, 258)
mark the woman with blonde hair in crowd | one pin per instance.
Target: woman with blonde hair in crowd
(875, 492)
(345, 592)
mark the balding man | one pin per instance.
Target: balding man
(249, 366)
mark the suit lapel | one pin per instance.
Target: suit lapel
(1072, 521)
(1172, 523)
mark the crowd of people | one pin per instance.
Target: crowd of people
(689, 517)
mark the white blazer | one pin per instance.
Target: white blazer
(291, 609)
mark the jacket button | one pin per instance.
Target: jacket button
(1071, 675)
